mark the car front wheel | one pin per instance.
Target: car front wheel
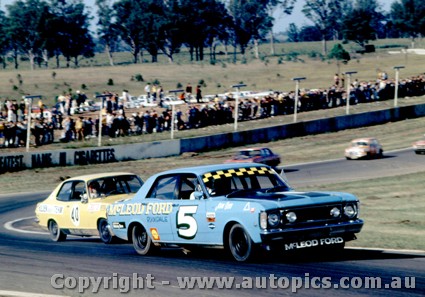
(142, 242)
(240, 244)
(104, 233)
(56, 234)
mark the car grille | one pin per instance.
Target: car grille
(312, 215)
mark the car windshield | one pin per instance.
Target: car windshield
(225, 182)
(359, 143)
(249, 153)
(114, 185)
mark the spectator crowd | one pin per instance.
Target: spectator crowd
(75, 118)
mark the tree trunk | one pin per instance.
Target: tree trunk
(272, 50)
(57, 61)
(45, 58)
(154, 58)
(191, 52)
(135, 57)
(135, 51)
(324, 46)
(256, 52)
(31, 56)
(15, 58)
(110, 56)
(201, 53)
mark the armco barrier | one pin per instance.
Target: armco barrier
(84, 156)
(205, 143)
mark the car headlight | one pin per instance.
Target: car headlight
(335, 212)
(291, 217)
(273, 219)
(350, 211)
(263, 220)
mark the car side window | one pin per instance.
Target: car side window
(79, 190)
(65, 192)
(71, 191)
(266, 152)
(188, 186)
(164, 188)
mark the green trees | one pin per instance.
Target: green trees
(325, 15)
(72, 30)
(38, 30)
(361, 22)
(339, 54)
(23, 27)
(408, 16)
(251, 21)
(106, 28)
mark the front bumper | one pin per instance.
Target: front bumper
(346, 230)
(355, 155)
(420, 150)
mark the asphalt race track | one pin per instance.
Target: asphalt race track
(32, 263)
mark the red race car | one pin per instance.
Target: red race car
(262, 155)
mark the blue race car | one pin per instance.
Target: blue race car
(241, 207)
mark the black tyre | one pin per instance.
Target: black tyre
(56, 234)
(104, 233)
(240, 244)
(142, 242)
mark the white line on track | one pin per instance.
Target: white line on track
(9, 226)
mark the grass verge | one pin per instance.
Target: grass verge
(393, 210)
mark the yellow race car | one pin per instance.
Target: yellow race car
(78, 205)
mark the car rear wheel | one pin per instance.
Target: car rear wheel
(142, 242)
(56, 234)
(240, 244)
(104, 233)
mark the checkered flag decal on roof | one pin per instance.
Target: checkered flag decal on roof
(235, 172)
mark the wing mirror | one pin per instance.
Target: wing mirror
(84, 198)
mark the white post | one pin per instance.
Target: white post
(28, 100)
(99, 129)
(236, 115)
(172, 121)
(348, 75)
(29, 124)
(397, 68)
(347, 109)
(297, 88)
(175, 92)
(99, 136)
